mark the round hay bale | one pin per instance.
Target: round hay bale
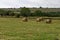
(25, 19)
(39, 19)
(48, 20)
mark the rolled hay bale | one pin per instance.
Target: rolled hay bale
(48, 20)
(39, 19)
(25, 19)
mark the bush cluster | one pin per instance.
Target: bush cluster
(26, 12)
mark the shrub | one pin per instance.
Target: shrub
(17, 15)
(11, 14)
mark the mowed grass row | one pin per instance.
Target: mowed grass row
(15, 29)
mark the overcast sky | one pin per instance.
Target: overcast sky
(29, 3)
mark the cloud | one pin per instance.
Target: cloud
(9, 3)
(38, 3)
(29, 3)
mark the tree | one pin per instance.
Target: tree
(8, 13)
(11, 14)
(25, 12)
(38, 13)
(17, 14)
(2, 12)
(40, 7)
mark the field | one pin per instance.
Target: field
(15, 29)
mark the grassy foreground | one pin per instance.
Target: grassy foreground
(15, 29)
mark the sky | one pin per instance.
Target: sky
(29, 3)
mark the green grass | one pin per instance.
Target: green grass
(15, 29)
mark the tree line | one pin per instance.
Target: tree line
(26, 12)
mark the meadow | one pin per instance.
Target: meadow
(16, 29)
